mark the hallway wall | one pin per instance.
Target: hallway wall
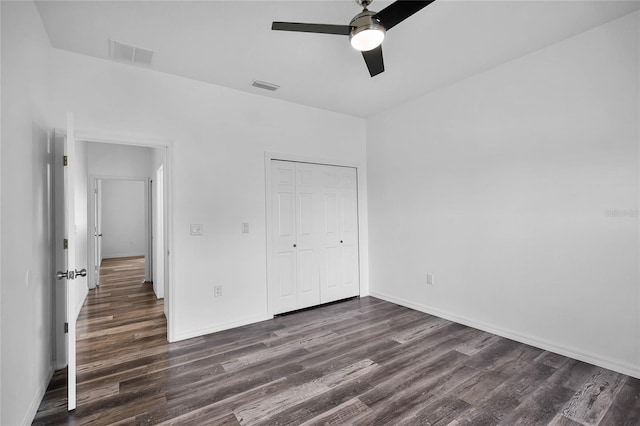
(124, 225)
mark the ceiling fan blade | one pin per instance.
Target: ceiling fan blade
(374, 61)
(312, 28)
(398, 11)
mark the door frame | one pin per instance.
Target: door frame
(165, 145)
(363, 223)
(95, 214)
(93, 179)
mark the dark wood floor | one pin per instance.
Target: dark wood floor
(361, 362)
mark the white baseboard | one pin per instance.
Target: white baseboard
(37, 399)
(591, 358)
(220, 327)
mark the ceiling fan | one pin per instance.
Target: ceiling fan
(366, 30)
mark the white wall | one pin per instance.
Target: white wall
(26, 230)
(109, 160)
(114, 160)
(215, 172)
(518, 189)
(123, 218)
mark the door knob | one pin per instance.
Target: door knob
(81, 273)
(295, 245)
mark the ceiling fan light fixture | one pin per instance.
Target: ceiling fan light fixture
(366, 39)
(367, 32)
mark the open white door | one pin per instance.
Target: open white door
(97, 229)
(158, 234)
(67, 254)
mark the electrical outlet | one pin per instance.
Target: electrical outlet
(429, 279)
(245, 227)
(217, 290)
(195, 229)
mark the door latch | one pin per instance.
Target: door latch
(70, 275)
(66, 274)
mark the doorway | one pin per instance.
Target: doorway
(121, 216)
(106, 166)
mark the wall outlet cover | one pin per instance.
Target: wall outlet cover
(196, 229)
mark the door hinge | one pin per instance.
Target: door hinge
(65, 160)
(66, 244)
(66, 327)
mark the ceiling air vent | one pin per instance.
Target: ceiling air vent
(264, 85)
(131, 54)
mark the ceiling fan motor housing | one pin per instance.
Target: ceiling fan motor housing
(365, 21)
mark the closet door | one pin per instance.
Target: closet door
(308, 209)
(314, 247)
(330, 275)
(339, 267)
(349, 283)
(283, 292)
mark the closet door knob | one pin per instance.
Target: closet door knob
(294, 245)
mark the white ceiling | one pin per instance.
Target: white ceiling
(230, 43)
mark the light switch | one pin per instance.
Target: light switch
(196, 229)
(245, 227)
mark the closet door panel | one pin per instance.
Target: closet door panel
(349, 283)
(286, 266)
(308, 251)
(283, 294)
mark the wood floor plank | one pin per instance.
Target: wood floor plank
(362, 361)
(268, 407)
(339, 415)
(590, 404)
(625, 409)
(397, 399)
(318, 404)
(439, 412)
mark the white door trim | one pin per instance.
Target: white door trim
(147, 211)
(363, 252)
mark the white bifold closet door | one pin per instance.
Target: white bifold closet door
(314, 229)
